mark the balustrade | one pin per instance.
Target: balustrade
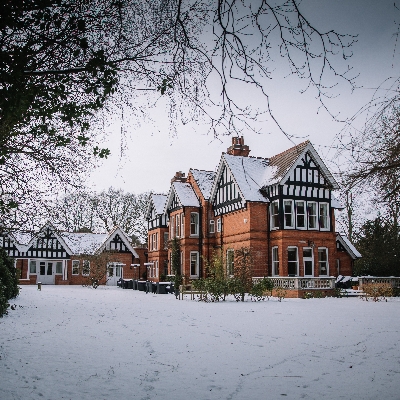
(301, 282)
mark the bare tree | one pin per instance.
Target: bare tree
(62, 61)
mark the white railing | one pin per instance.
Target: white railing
(300, 283)
(394, 281)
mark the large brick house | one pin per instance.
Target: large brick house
(281, 207)
(53, 257)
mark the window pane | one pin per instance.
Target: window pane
(193, 264)
(59, 267)
(42, 268)
(49, 268)
(312, 215)
(32, 267)
(301, 211)
(194, 223)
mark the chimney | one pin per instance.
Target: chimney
(179, 177)
(238, 148)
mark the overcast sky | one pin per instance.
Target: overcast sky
(154, 156)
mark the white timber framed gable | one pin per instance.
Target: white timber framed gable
(302, 198)
(156, 218)
(226, 194)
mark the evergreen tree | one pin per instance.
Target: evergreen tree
(378, 243)
(8, 281)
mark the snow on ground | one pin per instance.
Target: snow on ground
(70, 342)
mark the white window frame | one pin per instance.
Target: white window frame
(172, 223)
(219, 225)
(212, 226)
(297, 259)
(178, 225)
(275, 261)
(194, 255)
(166, 239)
(274, 216)
(31, 263)
(77, 265)
(156, 267)
(195, 223)
(314, 216)
(285, 202)
(308, 259)
(326, 217)
(85, 264)
(230, 262)
(58, 264)
(325, 249)
(182, 225)
(304, 215)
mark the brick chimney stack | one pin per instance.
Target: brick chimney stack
(238, 148)
(179, 177)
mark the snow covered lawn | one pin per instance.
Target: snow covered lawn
(70, 342)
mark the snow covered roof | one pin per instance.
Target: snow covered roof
(345, 242)
(83, 243)
(157, 201)
(250, 174)
(204, 180)
(184, 194)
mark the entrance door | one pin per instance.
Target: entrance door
(46, 273)
(308, 261)
(114, 274)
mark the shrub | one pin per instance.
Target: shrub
(280, 293)
(8, 281)
(377, 291)
(262, 289)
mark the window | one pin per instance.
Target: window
(308, 261)
(182, 263)
(274, 215)
(288, 213)
(118, 271)
(301, 215)
(178, 225)
(312, 215)
(230, 262)
(219, 225)
(324, 216)
(42, 267)
(85, 267)
(323, 261)
(156, 267)
(172, 227)
(75, 267)
(59, 267)
(166, 240)
(156, 241)
(293, 261)
(194, 264)
(212, 226)
(182, 225)
(275, 261)
(32, 267)
(194, 224)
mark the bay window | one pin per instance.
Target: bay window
(293, 261)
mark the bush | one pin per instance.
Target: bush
(262, 289)
(8, 281)
(377, 291)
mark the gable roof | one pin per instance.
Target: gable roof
(345, 242)
(249, 173)
(204, 180)
(158, 202)
(184, 193)
(74, 243)
(286, 161)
